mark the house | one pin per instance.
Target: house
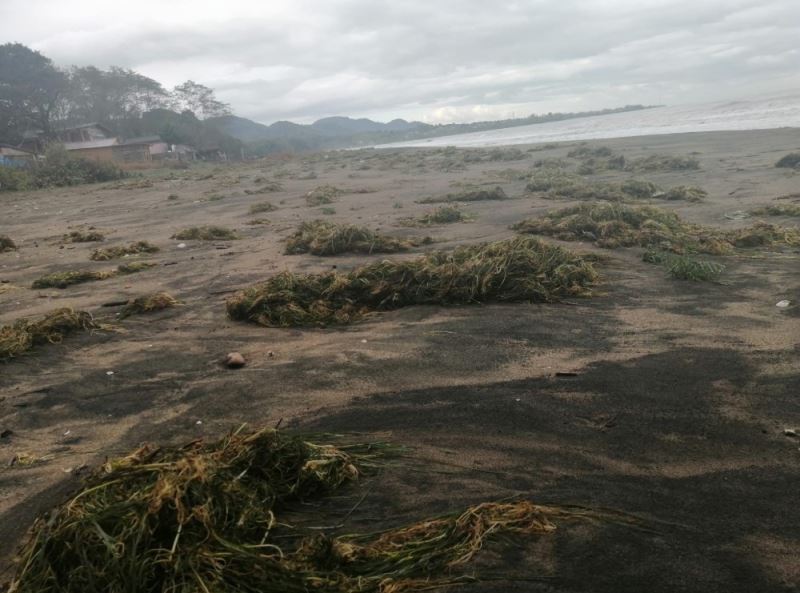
(12, 156)
(96, 142)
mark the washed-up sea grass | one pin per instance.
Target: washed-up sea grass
(262, 207)
(83, 236)
(134, 248)
(684, 267)
(148, 303)
(265, 188)
(561, 184)
(324, 194)
(7, 244)
(469, 195)
(662, 162)
(209, 518)
(442, 215)
(777, 210)
(619, 225)
(24, 334)
(519, 269)
(320, 237)
(206, 233)
(789, 161)
(65, 279)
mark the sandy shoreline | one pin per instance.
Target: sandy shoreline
(675, 415)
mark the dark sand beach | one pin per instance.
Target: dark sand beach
(662, 399)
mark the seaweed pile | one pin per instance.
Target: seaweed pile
(560, 184)
(613, 225)
(212, 518)
(519, 269)
(601, 158)
(135, 248)
(324, 194)
(262, 207)
(319, 237)
(469, 195)
(446, 214)
(777, 210)
(23, 335)
(206, 233)
(684, 267)
(65, 279)
(7, 244)
(789, 161)
(148, 303)
(83, 237)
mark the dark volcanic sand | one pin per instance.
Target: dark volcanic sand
(675, 415)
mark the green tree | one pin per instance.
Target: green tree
(113, 95)
(32, 91)
(199, 99)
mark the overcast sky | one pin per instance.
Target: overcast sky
(433, 60)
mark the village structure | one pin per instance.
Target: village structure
(96, 142)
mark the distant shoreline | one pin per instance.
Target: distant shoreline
(768, 114)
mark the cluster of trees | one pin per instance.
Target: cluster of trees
(37, 95)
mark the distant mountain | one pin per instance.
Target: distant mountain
(329, 127)
(345, 132)
(345, 126)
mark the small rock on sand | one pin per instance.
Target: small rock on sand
(234, 360)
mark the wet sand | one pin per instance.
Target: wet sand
(675, 413)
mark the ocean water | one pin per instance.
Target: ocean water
(757, 114)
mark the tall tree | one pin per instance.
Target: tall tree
(32, 90)
(113, 95)
(199, 99)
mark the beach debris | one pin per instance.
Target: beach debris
(109, 373)
(737, 215)
(148, 303)
(324, 194)
(265, 188)
(262, 207)
(213, 517)
(320, 237)
(621, 225)
(134, 248)
(6, 433)
(206, 233)
(27, 459)
(790, 161)
(684, 267)
(23, 335)
(519, 269)
(790, 432)
(7, 244)
(561, 184)
(469, 195)
(777, 210)
(446, 214)
(83, 236)
(783, 304)
(65, 279)
(234, 360)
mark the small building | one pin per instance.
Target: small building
(101, 149)
(96, 142)
(13, 156)
(84, 133)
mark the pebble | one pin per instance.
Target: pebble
(234, 360)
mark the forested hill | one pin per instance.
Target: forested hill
(345, 132)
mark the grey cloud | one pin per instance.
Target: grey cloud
(449, 58)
